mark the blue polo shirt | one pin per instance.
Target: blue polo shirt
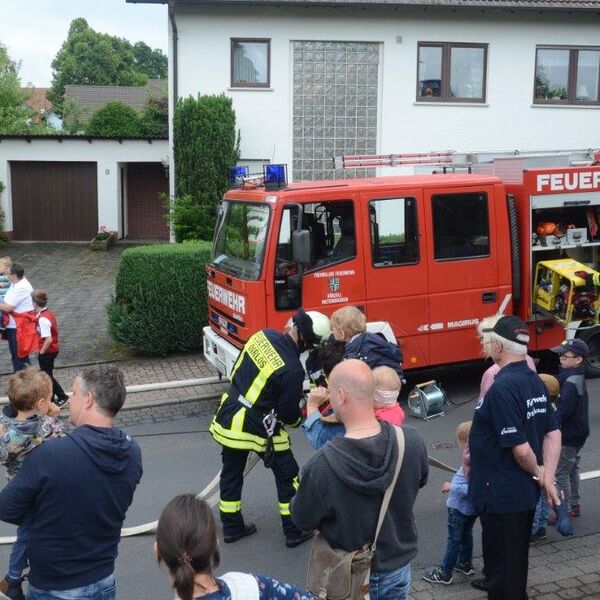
(515, 410)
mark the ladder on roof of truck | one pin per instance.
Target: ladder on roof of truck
(450, 159)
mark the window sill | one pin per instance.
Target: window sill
(550, 105)
(250, 89)
(429, 103)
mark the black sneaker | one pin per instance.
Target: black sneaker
(480, 584)
(464, 569)
(539, 535)
(249, 529)
(436, 575)
(300, 538)
(12, 589)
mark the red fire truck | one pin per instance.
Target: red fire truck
(431, 254)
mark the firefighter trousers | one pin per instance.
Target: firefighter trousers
(285, 469)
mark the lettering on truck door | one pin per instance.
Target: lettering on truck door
(462, 259)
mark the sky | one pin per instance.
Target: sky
(34, 30)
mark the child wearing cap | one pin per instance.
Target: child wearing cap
(573, 411)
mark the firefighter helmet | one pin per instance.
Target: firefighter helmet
(312, 327)
(320, 324)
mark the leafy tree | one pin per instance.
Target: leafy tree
(88, 57)
(15, 116)
(205, 145)
(115, 119)
(152, 63)
(155, 118)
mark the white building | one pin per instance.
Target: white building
(318, 78)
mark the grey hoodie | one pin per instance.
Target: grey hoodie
(342, 488)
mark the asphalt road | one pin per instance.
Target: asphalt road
(183, 462)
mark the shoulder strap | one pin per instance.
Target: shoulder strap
(388, 493)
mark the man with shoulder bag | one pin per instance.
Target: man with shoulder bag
(342, 494)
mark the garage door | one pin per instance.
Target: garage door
(54, 200)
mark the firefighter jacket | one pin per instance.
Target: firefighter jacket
(267, 375)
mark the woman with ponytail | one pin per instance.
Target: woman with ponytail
(186, 543)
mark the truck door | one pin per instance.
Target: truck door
(462, 259)
(335, 275)
(396, 271)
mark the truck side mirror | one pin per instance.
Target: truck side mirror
(301, 246)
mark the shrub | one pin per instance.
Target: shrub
(115, 119)
(205, 146)
(160, 298)
(155, 118)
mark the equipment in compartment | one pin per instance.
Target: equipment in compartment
(560, 290)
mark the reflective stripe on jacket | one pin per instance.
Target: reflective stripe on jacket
(267, 376)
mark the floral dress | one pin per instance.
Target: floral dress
(269, 589)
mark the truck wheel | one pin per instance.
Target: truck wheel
(592, 338)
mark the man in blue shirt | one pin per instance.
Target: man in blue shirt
(515, 444)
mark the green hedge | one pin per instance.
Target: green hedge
(160, 298)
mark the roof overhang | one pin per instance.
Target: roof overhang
(576, 6)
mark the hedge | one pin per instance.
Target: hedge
(160, 298)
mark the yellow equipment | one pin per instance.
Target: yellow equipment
(561, 291)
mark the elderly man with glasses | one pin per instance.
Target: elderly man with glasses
(514, 444)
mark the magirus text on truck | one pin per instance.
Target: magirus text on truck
(428, 253)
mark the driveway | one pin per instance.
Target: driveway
(79, 283)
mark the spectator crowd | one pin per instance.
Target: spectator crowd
(71, 484)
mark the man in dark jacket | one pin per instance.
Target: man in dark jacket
(514, 444)
(342, 485)
(75, 491)
(574, 420)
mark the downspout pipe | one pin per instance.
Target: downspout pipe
(175, 78)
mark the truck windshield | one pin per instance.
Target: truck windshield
(240, 235)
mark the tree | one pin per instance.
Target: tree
(15, 116)
(115, 119)
(88, 57)
(205, 145)
(155, 118)
(152, 63)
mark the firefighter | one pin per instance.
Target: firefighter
(265, 394)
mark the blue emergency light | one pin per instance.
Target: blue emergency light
(236, 176)
(275, 177)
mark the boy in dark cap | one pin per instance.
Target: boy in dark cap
(574, 417)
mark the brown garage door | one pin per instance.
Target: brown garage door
(54, 200)
(145, 209)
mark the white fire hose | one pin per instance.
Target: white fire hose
(211, 492)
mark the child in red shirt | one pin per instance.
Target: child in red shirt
(47, 330)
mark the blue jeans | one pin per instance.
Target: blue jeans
(390, 585)
(18, 562)
(542, 512)
(459, 547)
(18, 363)
(105, 589)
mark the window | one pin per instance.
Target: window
(567, 76)
(332, 240)
(240, 235)
(250, 63)
(451, 72)
(460, 225)
(394, 237)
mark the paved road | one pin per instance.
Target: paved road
(187, 461)
(79, 283)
